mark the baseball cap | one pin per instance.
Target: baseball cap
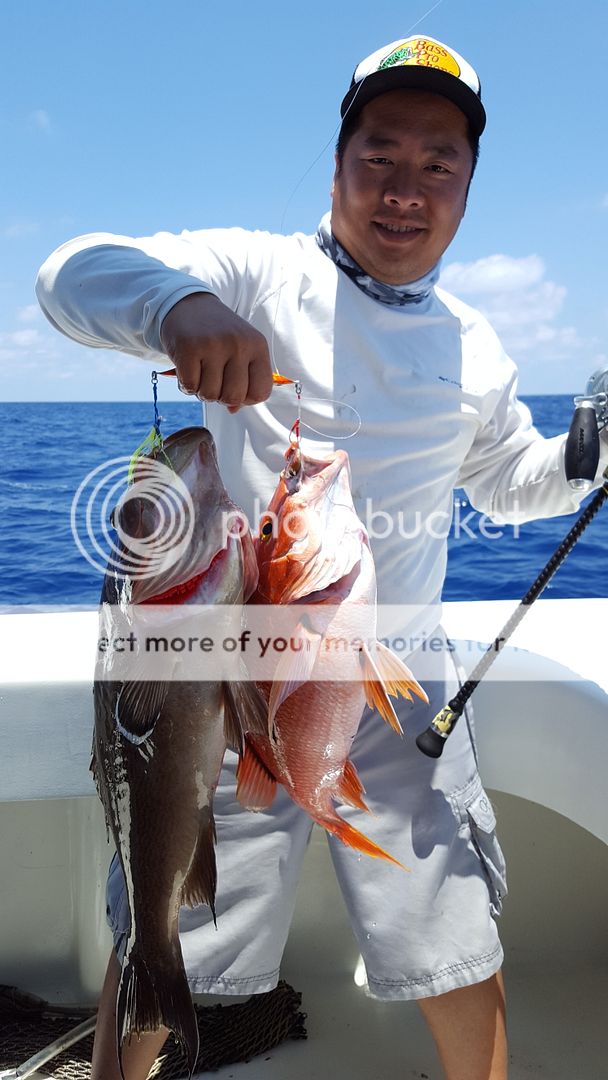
(417, 63)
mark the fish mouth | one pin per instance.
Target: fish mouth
(178, 594)
(185, 590)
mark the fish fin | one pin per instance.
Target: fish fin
(101, 695)
(350, 788)
(153, 996)
(137, 708)
(256, 786)
(293, 669)
(201, 880)
(375, 691)
(96, 772)
(245, 709)
(397, 677)
(355, 839)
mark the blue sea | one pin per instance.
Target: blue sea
(47, 449)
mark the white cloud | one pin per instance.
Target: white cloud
(40, 119)
(521, 305)
(30, 313)
(20, 228)
(21, 339)
(494, 273)
(29, 347)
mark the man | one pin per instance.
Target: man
(354, 314)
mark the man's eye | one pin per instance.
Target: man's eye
(439, 169)
(379, 161)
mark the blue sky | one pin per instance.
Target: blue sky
(139, 115)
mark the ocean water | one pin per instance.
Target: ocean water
(47, 449)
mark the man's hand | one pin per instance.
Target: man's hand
(218, 356)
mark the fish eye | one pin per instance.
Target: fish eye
(266, 529)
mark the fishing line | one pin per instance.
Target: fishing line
(278, 377)
(327, 434)
(289, 201)
(299, 423)
(311, 167)
(340, 123)
(429, 12)
(153, 442)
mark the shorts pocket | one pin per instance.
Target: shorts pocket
(477, 813)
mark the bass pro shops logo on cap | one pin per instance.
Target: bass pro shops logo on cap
(424, 52)
(417, 63)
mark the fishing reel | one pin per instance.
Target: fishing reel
(583, 443)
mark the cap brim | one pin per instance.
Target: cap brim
(411, 77)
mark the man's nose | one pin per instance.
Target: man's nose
(404, 190)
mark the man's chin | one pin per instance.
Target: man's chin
(396, 273)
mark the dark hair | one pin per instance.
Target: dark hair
(351, 123)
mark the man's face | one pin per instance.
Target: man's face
(400, 193)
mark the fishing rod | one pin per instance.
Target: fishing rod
(581, 460)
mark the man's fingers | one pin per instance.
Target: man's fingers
(211, 362)
(247, 385)
(235, 383)
(218, 356)
(188, 374)
(260, 377)
(214, 375)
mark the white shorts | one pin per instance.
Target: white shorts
(420, 933)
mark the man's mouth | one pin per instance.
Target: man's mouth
(399, 229)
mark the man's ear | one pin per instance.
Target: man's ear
(336, 171)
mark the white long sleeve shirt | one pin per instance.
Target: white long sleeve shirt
(433, 387)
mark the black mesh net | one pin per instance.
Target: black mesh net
(228, 1033)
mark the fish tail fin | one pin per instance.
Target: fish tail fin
(201, 881)
(152, 998)
(355, 839)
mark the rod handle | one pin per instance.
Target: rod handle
(433, 740)
(582, 453)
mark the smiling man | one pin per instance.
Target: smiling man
(354, 313)
(401, 182)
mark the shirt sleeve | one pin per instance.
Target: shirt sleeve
(109, 291)
(514, 474)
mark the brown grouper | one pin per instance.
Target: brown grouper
(160, 734)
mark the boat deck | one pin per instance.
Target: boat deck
(556, 968)
(554, 930)
(543, 737)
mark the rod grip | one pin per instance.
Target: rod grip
(431, 742)
(582, 453)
